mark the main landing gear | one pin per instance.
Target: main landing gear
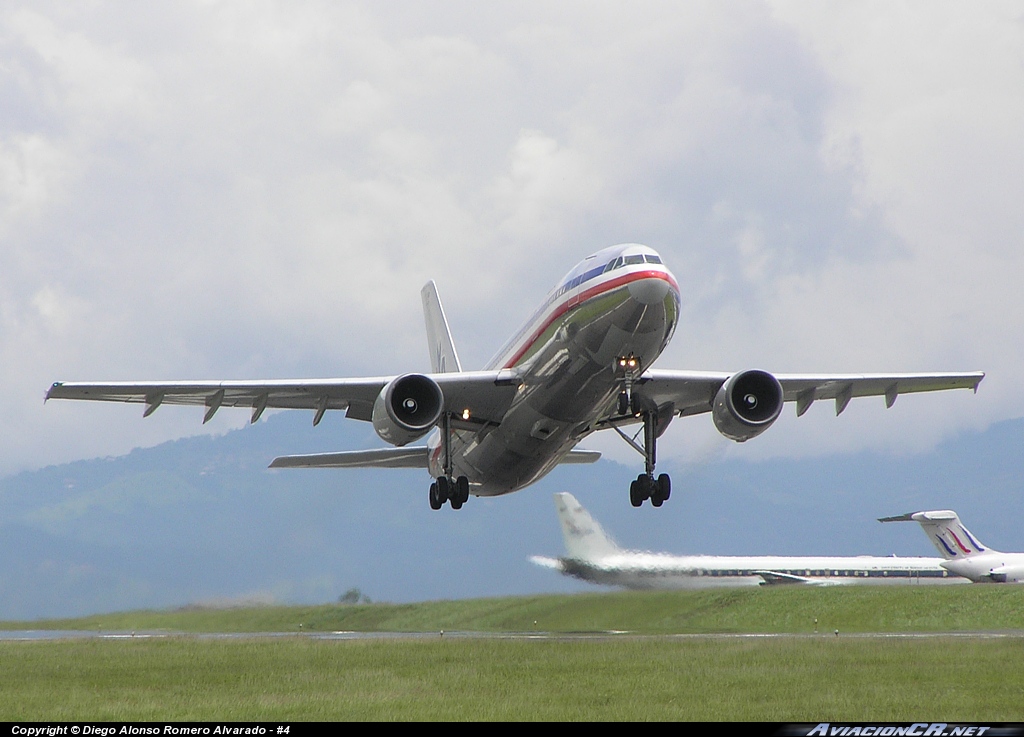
(658, 490)
(646, 486)
(446, 488)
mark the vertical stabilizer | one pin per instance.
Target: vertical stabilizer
(947, 533)
(443, 358)
(584, 538)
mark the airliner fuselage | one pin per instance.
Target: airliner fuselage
(620, 302)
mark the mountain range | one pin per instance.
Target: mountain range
(203, 521)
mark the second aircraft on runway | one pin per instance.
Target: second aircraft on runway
(591, 555)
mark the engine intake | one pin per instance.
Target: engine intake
(747, 404)
(407, 408)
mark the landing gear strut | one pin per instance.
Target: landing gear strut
(628, 369)
(647, 486)
(447, 488)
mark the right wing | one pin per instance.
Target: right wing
(693, 392)
(486, 394)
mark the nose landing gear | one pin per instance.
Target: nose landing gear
(646, 486)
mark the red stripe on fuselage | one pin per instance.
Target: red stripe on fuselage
(584, 297)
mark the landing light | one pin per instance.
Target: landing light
(465, 414)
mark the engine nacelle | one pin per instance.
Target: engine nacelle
(407, 408)
(1007, 574)
(747, 404)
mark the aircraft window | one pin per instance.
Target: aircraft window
(652, 259)
(633, 260)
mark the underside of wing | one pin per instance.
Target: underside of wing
(480, 396)
(806, 388)
(317, 394)
(694, 392)
(775, 578)
(379, 458)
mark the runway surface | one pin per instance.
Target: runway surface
(40, 635)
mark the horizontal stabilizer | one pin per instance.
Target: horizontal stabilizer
(378, 458)
(541, 560)
(581, 456)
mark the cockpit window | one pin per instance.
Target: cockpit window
(612, 265)
(633, 260)
(652, 259)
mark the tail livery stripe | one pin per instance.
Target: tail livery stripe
(974, 542)
(943, 543)
(959, 544)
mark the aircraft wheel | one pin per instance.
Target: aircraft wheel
(623, 403)
(645, 486)
(435, 501)
(664, 487)
(444, 489)
(462, 487)
(634, 494)
(456, 502)
(657, 501)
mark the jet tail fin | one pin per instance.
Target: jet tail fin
(443, 358)
(584, 538)
(947, 533)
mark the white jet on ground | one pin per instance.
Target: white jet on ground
(593, 556)
(582, 363)
(962, 553)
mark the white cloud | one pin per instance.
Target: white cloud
(260, 189)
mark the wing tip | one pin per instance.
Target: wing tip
(49, 392)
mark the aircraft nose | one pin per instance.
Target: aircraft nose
(649, 291)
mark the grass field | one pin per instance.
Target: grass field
(791, 679)
(620, 677)
(761, 610)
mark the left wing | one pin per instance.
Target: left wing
(485, 394)
(774, 578)
(693, 392)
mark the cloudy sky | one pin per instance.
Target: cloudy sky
(259, 189)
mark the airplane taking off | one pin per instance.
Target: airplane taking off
(961, 551)
(592, 556)
(581, 363)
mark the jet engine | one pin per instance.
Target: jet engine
(747, 404)
(1007, 574)
(407, 408)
